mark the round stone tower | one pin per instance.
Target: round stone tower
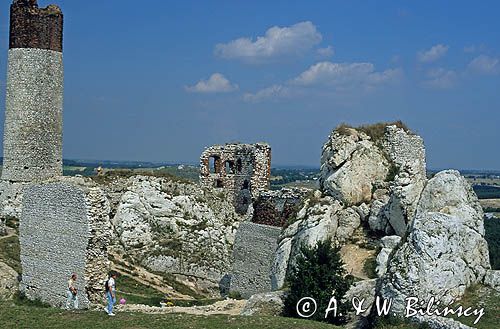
(34, 98)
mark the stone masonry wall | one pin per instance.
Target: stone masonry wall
(33, 27)
(276, 208)
(253, 255)
(243, 169)
(64, 228)
(34, 96)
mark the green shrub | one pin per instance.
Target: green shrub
(319, 273)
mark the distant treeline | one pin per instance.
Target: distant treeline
(487, 191)
(492, 235)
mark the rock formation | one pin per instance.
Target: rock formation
(445, 251)
(174, 227)
(8, 282)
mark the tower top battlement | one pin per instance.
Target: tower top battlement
(34, 27)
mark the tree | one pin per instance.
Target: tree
(319, 273)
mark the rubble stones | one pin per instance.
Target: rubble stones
(8, 282)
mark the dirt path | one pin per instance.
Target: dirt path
(227, 307)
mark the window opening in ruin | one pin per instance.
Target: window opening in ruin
(229, 167)
(246, 185)
(212, 164)
(218, 183)
(239, 165)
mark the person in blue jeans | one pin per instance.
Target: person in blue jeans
(111, 293)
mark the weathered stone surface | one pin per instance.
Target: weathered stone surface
(406, 153)
(8, 282)
(33, 27)
(33, 115)
(242, 169)
(361, 291)
(176, 227)
(11, 200)
(320, 219)
(492, 279)
(439, 322)
(350, 164)
(253, 256)
(265, 304)
(64, 229)
(276, 208)
(445, 251)
(388, 244)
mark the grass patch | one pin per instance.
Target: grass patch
(479, 296)
(375, 131)
(16, 316)
(370, 266)
(10, 252)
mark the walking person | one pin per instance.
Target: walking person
(110, 288)
(72, 292)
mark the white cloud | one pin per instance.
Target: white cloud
(485, 65)
(332, 77)
(326, 52)
(217, 83)
(433, 54)
(278, 41)
(275, 91)
(441, 78)
(344, 74)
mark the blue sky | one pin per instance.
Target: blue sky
(160, 80)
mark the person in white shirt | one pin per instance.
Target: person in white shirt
(72, 292)
(111, 293)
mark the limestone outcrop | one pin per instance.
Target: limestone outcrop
(11, 202)
(445, 250)
(350, 164)
(175, 227)
(265, 304)
(8, 282)
(320, 218)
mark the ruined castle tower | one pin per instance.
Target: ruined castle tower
(242, 169)
(34, 98)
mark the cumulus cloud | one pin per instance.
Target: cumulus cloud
(332, 77)
(277, 42)
(433, 54)
(217, 83)
(484, 64)
(441, 78)
(344, 74)
(326, 52)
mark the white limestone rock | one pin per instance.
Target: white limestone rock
(388, 244)
(492, 279)
(445, 251)
(319, 220)
(350, 164)
(176, 227)
(265, 304)
(406, 153)
(8, 282)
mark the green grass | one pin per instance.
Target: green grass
(9, 252)
(20, 316)
(479, 296)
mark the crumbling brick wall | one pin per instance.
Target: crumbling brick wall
(64, 228)
(243, 169)
(277, 208)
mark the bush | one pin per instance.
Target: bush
(319, 273)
